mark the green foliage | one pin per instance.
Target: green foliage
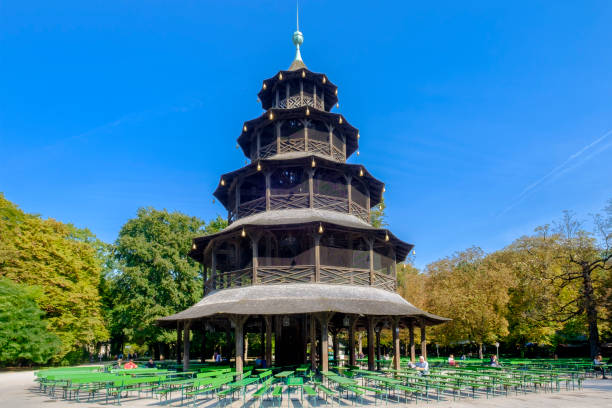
(24, 338)
(65, 263)
(154, 277)
(378, 218)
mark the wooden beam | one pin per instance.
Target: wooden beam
(179, 343)
(371, 244)
(351, 336)
(396, 344)
(268, 320)
(313, 343)
(423, 341)
(411, 339)
(317, 241)
(239, 321)
(324, 319)
(186, 345)
(371, 363)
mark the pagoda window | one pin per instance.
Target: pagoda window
(267, 141)
(329, 183)
(252, 188)
(292, 136)
(289, 181)
(384, 260)
(290, 249)
(245, 254)
(318, 131)
(360, 254)
(334, 249)
(359, 193)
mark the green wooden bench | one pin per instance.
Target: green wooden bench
(277, 394)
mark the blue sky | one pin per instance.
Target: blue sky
(485, 119)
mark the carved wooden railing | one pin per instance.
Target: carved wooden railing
(315, 146)
(252, 207)
(337, 154)
(292, 145)
(277, 275)
(271, 275)
(384, 281)
(296, 201)
(267, 150)
(288, 201)
(360, 212)
(295, 101)
(326, 202)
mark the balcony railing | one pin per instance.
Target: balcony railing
(278, 275)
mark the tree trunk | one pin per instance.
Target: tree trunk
(480, 351)
(591, 310)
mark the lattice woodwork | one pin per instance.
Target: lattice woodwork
(288, 201)
(292, 145)
(359, 211)
(337, 154)
(326, 202)
(252, 207)
(344, 276)
(384, 282)
(316, 146)
(267, 150)
(295, 101)
(231, 279)
(270, 275)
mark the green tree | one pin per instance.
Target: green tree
(155, 277)
(472, 290)
(24, 338)
(378, 218)
(63, 261)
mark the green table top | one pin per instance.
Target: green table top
(342, 380)
(301, 370)
(295, 381)
(284, 374)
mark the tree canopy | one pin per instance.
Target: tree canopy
(63, 261)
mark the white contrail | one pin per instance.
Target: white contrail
(569, 164)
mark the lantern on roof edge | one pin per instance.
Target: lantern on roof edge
(307, 111)
(360, 172)
(222, 182)
(258, 166)
(244, 128)
(194, 246)
(313, 163)
(271, 115)
(286, 321)
(280, 76)
(264, 86)
(320, 228)
(243, 233)
(324, 80)
(303, 74)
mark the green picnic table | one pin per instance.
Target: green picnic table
(284, 374)
(295, 382)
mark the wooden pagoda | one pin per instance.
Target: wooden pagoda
(300, 258)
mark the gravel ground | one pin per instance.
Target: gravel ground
(18, 389)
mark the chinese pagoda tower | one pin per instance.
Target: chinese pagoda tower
(300, 258)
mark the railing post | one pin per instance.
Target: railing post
(255, 261)
(311, 188)
(278, 137)
(349, 178)
(213, 266)
(317, 241)
(268, 174)
(371, 243)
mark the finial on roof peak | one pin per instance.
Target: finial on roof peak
(298, 39)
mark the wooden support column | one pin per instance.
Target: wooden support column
(423, 341)
(277, 104)
(304, 337)
(268, 174)
(371, 362)
(371, 256)
(237, 200)
(314, 96)
(331, 136)
(179, 342)
(301, 92)
(255, 260)
(368, 207)
(351, 338)
(349, 178)
(311, 173)
(324, 319)
(203, 345)
(317, 241)
(377, 330)
(411, 339)
(213, 266)
(335, 345)
(239, 321)
(313, 343)
(258, 143)
(278, 137)
(360, 343)
(287, 95)
(396, 344)
(277, 341)
(268, 320)
(186, 345)
(305, 122)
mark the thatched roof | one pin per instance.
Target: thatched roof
(301, 298)
(302, 216)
